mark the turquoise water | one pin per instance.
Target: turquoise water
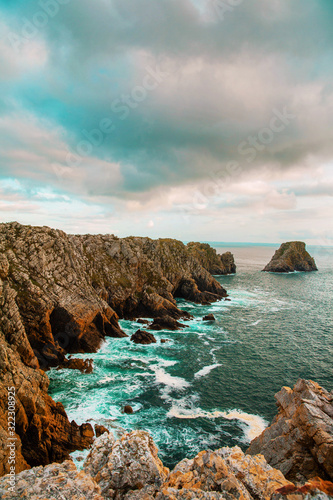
(213, 384)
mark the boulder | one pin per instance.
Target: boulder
(166, 323)
(143, 321)
(100, 429)
(300, 440)
(128, 409)
(291, 256)
(143, 337)
(209, 317)
(131, 464)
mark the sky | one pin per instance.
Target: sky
(205, 120)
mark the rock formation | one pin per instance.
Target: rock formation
(64, 294)
(209, 317)
(291, 256)
(300, 440)
(212, 261)
(143, 337)
(165, 323)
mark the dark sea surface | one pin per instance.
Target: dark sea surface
(213, 384)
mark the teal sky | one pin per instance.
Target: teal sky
(196, 119)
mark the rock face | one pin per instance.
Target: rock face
(291, 256)
(63, 294)
(212, 261)
(143, 337)
(300, 440)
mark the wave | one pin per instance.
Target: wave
(207, 369)
(254, 424)
(162, 377)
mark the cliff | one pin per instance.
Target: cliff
(129, 469)
(212, 261)
(63, 294)
(300, 440)
(291, 256)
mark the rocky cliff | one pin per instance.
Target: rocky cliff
(291, 256)
(130, 469)
(63, 294)
(300, 440)
(212, 261)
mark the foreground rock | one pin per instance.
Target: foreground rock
(291, 256)
(54, 482)
(166, 323)
(143, 337)
(63, 294)
(143, 468)
(212, 261)
(130, 469)
(300, 440)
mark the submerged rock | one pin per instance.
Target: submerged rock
(291, 256)
(128, 409)
(166, 323)
(300, 440)
(143, 337)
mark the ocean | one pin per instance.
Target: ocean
(213, 383)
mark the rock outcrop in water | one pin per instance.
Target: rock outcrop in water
(64, 294)
(212, 261)
(300, 440)
(291, 256)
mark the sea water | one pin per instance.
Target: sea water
(213, 383)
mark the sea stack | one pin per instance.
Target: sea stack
(291, 256)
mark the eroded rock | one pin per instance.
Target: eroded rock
(143, 337)
(291, 256)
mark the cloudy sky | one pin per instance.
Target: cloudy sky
(195, 119)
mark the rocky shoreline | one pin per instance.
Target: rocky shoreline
(129, 468)
(63, 294)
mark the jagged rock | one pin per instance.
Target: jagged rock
(166, 323)
(100, 429)
(300, 440)
(143, 337)
(163, 341)
(210, 260)
(314, 489)
(132, 464)
(209, 317)
(291, 256)
(84, 365)
(99, 454)
(128, 409)
(54, 482)
(143, 321)
(224, 473)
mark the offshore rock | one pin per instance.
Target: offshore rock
(56, 482)
(166, 323)
(143, 337)
(291, 256)
(300, 440)
(209, 317)
(131, 465)
(212, 261)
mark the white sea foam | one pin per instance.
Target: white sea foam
(207, 369)
(256, 322)
(254, 424)
(162, 377)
